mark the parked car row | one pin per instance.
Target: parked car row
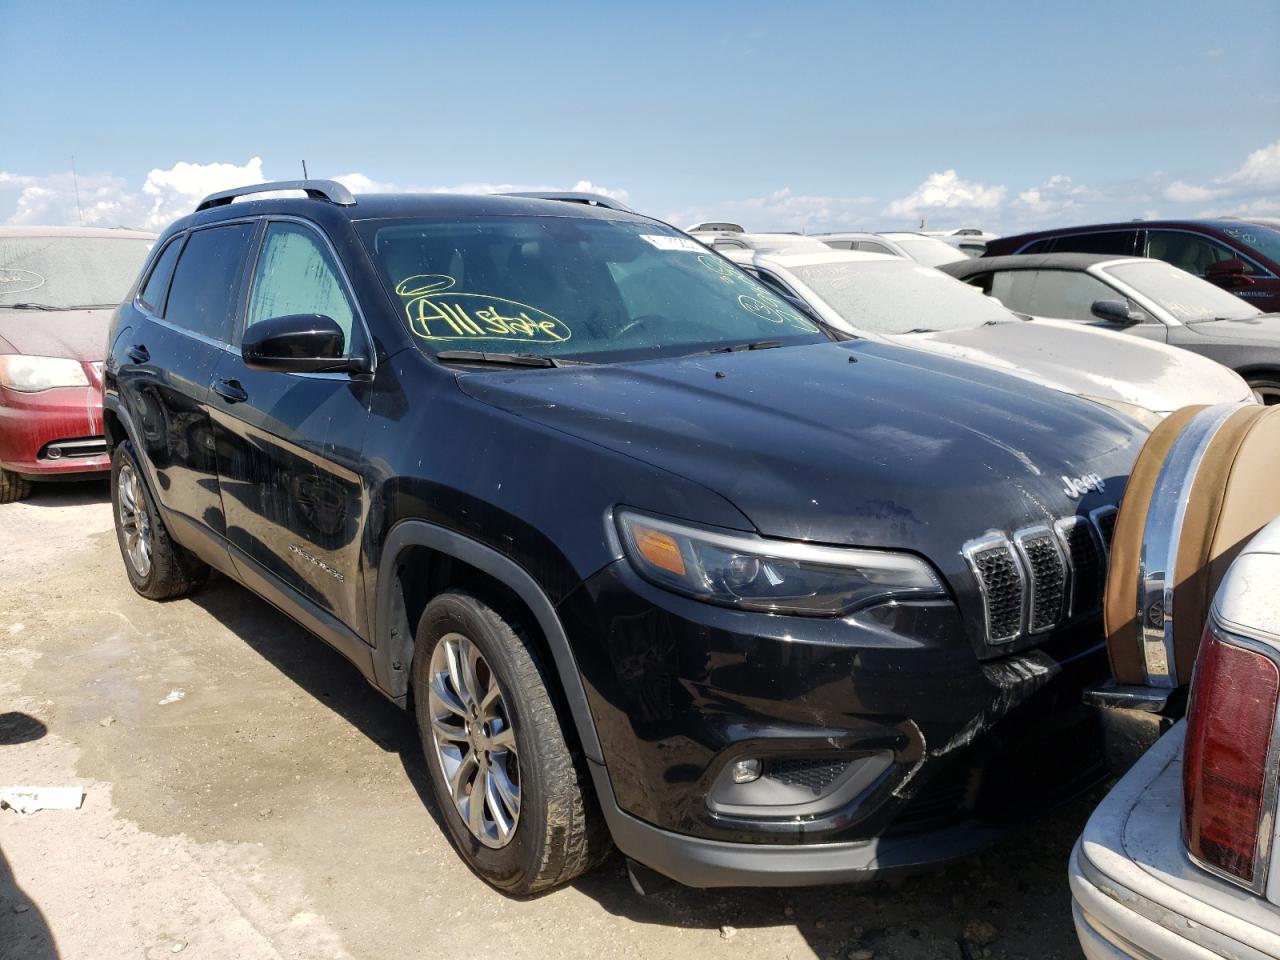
(763, 561)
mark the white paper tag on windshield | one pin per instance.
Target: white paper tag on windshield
(663, 242)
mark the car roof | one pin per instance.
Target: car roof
(1221, 224)
(112, 233)
(1031, 261)
(380, 206)
(807, 259)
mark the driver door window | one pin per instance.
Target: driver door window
(296, 274)
(1062, 294)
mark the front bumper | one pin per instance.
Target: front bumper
(679, 690)
(36, 427)
(1136, 894)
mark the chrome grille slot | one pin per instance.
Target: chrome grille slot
(1002, 583)
(1047, 567)
(1085, 563)
(1104, 520)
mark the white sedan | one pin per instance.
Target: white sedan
(1177, 862)
(887, 298)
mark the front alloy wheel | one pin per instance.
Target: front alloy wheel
(475, 742)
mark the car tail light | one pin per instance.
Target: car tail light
(1228, 772)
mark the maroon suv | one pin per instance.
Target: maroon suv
(1242, 256)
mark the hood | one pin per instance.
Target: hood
(1089, 362)
(76, 334)
(898, 449)
(1264, 329)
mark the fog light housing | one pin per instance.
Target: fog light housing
(746, 771)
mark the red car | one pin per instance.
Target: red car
(58, 289)
(1241, 256)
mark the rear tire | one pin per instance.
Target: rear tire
(513, 738)
(158, 568)
(13, 487)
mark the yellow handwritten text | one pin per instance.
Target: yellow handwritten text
(436, 312)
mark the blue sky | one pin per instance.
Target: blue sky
(801, 115)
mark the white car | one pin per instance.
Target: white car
(931, 250)
(887, 298)
(729, 236)
(1178, 862)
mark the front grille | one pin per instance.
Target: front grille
(813, 775)
(1041, 577)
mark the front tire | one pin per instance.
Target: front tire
(158, 568)
(515, 796)
(13, 487)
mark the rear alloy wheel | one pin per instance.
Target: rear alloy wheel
(13, 487)
(158, 568)
(1266, 389)
(514, 794)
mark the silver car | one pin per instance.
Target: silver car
(1178, 860)
(888, 298)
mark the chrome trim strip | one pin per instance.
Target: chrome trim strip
(1161, 535)
(1020, 538)
(980, 544)
(1270, 773)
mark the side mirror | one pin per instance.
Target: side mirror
(1115, 311)
(1227, 272)
(298, 343)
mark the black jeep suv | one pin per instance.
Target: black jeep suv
(652, 556)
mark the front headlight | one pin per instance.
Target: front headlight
(33, 374)
(779, 576)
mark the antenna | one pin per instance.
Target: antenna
(75, 182)
(304, 171)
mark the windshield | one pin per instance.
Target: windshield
(573, 287)
(67, 272)
(930, 251)
(1184, 295)
(1265, 240)
(899, 296)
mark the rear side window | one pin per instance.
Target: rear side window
(296, 274)
(1040, 246)
(1118, 242)
(202, 296)
(153, 294)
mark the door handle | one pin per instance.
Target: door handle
(230, 391)
(138, 353)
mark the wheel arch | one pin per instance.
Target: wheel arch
(414, 554)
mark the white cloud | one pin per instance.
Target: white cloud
(781, 210)
(1252, 185)
(1214, 52)
(107, 201)
(945, 191)
(167, 194)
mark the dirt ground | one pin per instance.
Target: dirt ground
(249, 796)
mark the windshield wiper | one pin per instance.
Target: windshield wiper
(918, 330)
(753, 345)
(28, 306)
(503, 359)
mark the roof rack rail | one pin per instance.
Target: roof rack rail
(569, 196)
(330, 190)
